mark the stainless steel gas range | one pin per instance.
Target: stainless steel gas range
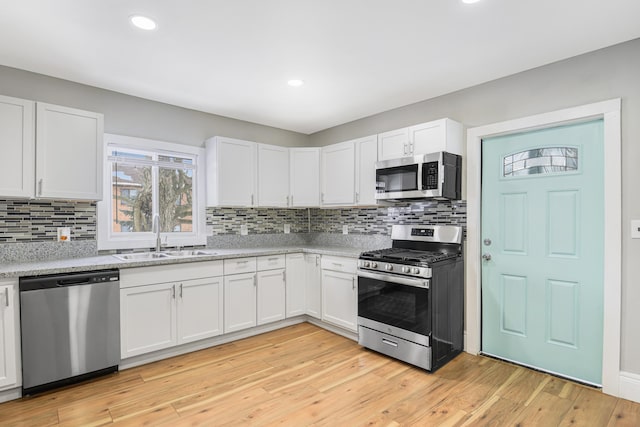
(410, 296)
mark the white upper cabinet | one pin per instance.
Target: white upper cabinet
(338, 174)
(17, 173)
(69, 153)
(273, 176)
(366, 158)
(231, 172)
(55, 154)
(304, 181)
(438, 135)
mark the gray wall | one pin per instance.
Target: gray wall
(132, 116)
(608, 73)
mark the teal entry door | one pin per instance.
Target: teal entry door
(542, 249)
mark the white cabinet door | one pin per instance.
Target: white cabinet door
(17, 174)
(69, 153)
(393, 144)
(273, 176)
(438, 135)
(304, 180)
(338, 174)
(231, 172)
(313, 284)
(295, 280)
(366, 158)
(8, 336)
(339, 299)
(239, 302)
(200, 309)
(147, 318)
(271, 296)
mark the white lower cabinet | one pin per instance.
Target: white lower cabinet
(164, 306)
(271, 296)
(313, 285)
(200, 310)
(340, 292)
(239, 302)
(147, 319)
(295, 285)
(9, 321)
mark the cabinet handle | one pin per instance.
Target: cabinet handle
(317, 260)
(40, 187)
(284, 276)
(173, 292)
(242, 262)
(287, 200)
(252, 200)
(255, 280)
(274, 259)
(180, 290)
(6, 297)
(353, 283)
(357, 197)
(337, 264)
(321, 197)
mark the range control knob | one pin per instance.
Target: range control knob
(415, 270)
(406, 269)
(388, 267)
(374, 265)
(366, 264)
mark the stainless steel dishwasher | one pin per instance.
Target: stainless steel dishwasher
(70, 328)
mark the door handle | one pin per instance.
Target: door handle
(486, 257)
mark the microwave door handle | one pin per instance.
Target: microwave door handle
(418, 283)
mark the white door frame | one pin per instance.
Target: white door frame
(610, 112)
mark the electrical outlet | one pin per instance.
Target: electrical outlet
(64, 234)
(287, 228)
(244, 229)
(635, 229)
(345, 229)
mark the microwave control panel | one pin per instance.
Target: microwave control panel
(430, 176)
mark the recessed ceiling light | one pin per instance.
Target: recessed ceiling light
(143, 22)
(295, 82)
(470, 1)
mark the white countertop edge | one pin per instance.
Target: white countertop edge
(105, 262)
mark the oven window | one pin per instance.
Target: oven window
(399, 178)
(402, 306)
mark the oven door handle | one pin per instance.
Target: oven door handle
(418, 283)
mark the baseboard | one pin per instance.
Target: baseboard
(11, 394)
(629, 386)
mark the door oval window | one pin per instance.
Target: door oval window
(541, 161)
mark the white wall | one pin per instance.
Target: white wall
(132, 116)
(608, 73)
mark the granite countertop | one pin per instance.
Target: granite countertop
(104, 262)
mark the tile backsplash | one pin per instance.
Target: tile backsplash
(30, 221)
(36, 221)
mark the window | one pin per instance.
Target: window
(149, 182)
(541, 161)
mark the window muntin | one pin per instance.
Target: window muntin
(541, 161)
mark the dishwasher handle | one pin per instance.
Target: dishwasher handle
(72, 282)
(65, 280)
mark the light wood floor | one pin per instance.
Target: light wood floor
(304, 375)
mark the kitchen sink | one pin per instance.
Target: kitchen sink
(142, 256)
(148, 256)
(186, 253)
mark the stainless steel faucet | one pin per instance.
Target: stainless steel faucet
(156, 229)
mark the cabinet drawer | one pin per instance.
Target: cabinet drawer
(140, 276)
(239, 265)
(271, 262)
(345, 265)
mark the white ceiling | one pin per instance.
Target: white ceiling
(357, 57)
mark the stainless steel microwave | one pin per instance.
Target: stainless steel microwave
(426, 176)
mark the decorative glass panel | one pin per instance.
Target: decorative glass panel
(541, 161)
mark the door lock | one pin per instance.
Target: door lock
(486, 257)
(487, 242)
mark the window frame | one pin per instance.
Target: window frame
(108, 240)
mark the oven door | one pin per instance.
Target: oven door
(395, 303)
